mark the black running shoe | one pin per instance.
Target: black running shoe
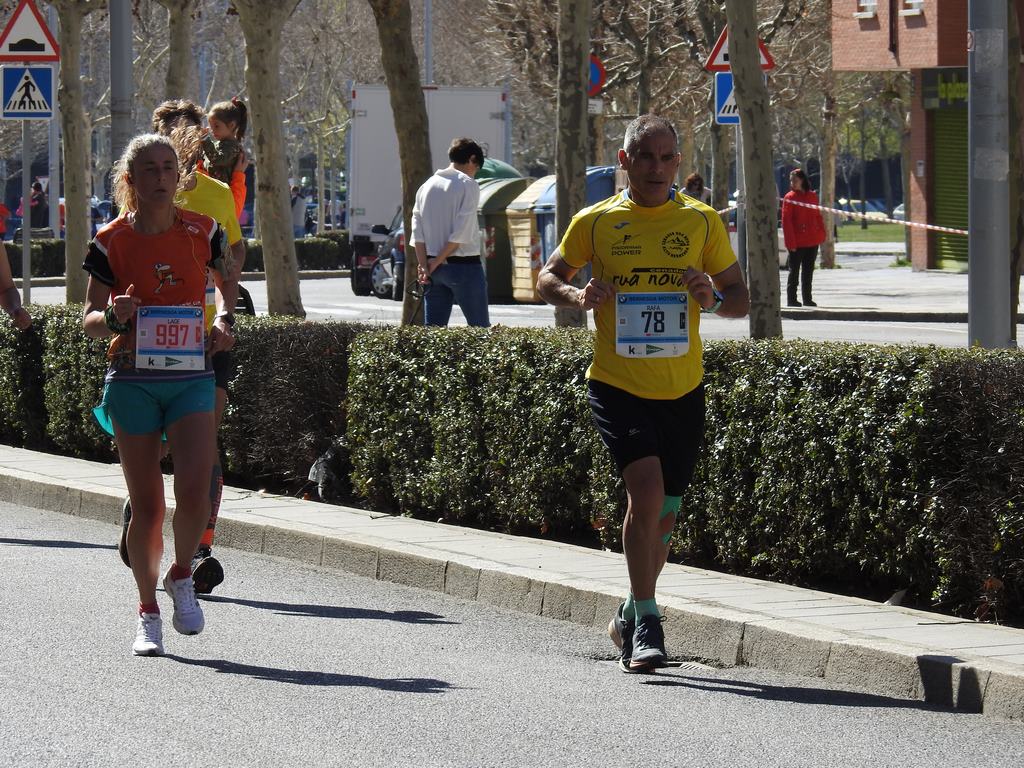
(207, 571)
(122, 543)
(648, 644)
(621, 631)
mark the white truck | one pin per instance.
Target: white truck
(374, 172)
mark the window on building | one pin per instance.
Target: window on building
(866, 9)
(911, 7)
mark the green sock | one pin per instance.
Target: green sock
(629, 608)
(646, 608)
(670, 507)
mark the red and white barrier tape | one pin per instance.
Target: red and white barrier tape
(857, 214)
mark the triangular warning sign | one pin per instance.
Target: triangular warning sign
(27, 97)
(718, 61)
(26, 36)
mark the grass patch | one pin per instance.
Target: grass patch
(879, 232)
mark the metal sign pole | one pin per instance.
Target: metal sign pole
(55, 179)
(741, 203)
(26, 214)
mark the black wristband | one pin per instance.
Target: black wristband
(113, 323)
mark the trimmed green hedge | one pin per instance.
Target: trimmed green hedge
(855, 468)
(74, 367)
(22, 408)
(314, 253)
(287, 401)
(486, 428)
(331, 251)
(850, 468)
(47, 257)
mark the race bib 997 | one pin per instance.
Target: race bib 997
(170, 339)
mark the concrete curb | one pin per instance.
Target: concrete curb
(875, 315)
(696, 628)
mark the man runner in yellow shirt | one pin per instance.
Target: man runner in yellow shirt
(659, 260)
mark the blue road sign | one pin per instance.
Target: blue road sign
(726, 111)
(28, 93)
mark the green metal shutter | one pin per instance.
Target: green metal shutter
(950, 203)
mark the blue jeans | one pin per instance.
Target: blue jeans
(299, 231)
(465, 284)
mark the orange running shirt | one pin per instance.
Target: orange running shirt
(167, 269)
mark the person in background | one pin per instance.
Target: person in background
(39, 214)
(694, 187)
(298, 213)
(223, 146)
(5, 212)
(803, 230)
(447, 239)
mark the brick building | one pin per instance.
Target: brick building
(928, 38)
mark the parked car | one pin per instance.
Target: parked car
(899, 213)
(872, 208)
(387, 275)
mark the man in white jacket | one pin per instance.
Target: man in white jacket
(447, 239)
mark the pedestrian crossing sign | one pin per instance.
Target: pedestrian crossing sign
(27, 93)
(726, 111)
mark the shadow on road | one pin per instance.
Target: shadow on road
(334, 611)
(790, 693)
(56, 543)
(310, 677)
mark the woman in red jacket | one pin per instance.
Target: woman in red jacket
(804, 231)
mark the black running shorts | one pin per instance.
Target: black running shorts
(634, 427)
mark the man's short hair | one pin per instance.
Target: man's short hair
(463, 150)
(644, 126)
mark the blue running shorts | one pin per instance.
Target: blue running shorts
(143, 407)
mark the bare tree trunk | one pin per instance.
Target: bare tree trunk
(719, 167)
(906, 159)
(829, 147)
(686, 147)
(883, 156)
(321, 198)
(709, 17)
(762, 194)
(402, 74)
(571, 147)
(77, 150)
(1016, 143)
(597, 139)
(179, 35)
(643, 82)
(261, 24)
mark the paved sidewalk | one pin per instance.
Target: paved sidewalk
(710, 616)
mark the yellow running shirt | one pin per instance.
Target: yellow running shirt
(645, 251)
(214, 199)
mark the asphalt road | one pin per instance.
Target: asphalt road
(304, 666)
(332, 299)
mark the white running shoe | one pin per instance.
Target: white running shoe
(149, 637)
(188, 614)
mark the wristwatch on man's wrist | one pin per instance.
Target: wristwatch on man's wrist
(719, 298)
